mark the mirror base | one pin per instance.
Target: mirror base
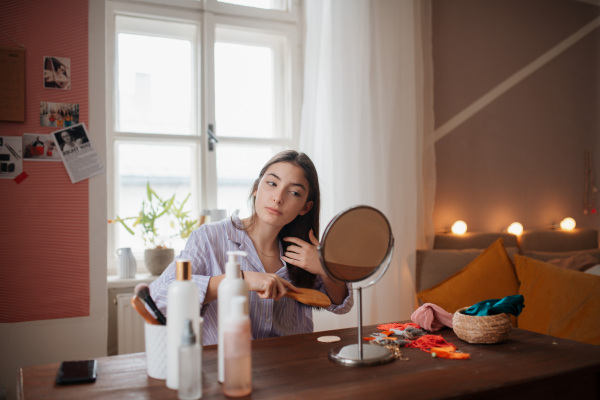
(371, 355)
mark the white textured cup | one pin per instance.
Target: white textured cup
(156, 350)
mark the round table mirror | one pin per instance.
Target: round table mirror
(357, 248)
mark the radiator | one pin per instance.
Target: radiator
(130, 326)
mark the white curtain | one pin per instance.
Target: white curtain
(365, 123)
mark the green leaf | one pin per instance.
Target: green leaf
(154, 207)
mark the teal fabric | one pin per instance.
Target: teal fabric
(510, 304)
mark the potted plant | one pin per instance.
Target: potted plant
(158, 254)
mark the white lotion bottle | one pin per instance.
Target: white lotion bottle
(182, 304)
(232, 285)
(238, 350)
(190, 365)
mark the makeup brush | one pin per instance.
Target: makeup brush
(139, 306)
(143, 292)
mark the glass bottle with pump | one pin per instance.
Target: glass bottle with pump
(238, 350)
(190, 373)
(232, 285)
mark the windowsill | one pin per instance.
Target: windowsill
(113, 281)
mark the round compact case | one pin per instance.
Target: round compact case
(481, 329)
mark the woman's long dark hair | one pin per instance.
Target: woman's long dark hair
(302, 224)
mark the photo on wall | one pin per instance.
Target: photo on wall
(39, 147)
(60, 115)
(77, 152)
(70, 139)
(11, 157)
(57, 73)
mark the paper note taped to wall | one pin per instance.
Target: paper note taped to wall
(11, 157)
(77, 153)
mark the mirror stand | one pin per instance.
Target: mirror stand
(358, 245)
(360, 354)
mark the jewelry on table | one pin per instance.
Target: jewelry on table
(394, 347)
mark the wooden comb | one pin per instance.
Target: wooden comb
(310, 297)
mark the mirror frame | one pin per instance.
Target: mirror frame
(390, 248)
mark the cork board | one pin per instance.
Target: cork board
(12, 84)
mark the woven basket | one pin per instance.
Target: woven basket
(481, 329)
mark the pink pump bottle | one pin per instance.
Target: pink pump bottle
(238, 350)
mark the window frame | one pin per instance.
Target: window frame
(207, 15)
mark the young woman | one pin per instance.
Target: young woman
(280, 238)
(69, 142)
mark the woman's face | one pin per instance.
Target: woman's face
(281, 195)
(66, 136)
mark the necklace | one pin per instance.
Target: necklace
(256, 247)
(276, 255)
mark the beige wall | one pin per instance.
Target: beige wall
(517, 152)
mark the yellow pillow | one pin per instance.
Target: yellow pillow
(559, 302)
(490, 276)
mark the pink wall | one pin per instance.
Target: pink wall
(44, 245)
(521, 157)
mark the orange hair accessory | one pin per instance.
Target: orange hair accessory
(397, 326)
(449, 352)
(435, 344)
(426, 342)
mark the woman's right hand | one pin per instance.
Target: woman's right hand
(268, 286)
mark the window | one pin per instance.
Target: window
(267, 4)
(202, 95)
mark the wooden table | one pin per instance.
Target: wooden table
(526, 366)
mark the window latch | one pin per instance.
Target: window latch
(212, 139)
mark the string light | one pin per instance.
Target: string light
(567, 224)
(459, 227)
(516, 228)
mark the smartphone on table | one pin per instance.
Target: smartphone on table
(71, 372)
